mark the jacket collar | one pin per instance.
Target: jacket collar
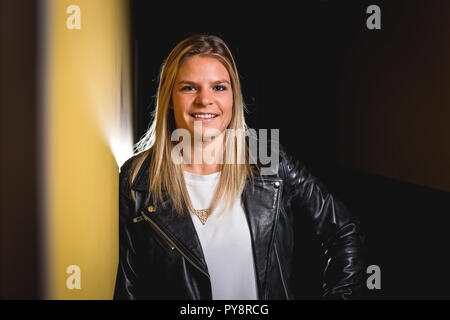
(261, 206)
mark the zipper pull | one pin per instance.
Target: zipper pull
(138, 219)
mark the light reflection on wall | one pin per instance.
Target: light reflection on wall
(88, 135)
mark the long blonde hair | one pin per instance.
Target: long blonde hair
(165, 174)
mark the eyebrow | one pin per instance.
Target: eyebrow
(192, 82)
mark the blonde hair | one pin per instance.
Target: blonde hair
(165, 174)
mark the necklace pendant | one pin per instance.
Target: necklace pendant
(202, 215)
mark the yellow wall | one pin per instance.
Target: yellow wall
(87, 137)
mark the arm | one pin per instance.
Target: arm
(339, 232)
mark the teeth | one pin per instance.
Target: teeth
(204, 116)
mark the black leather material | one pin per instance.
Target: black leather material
(160, 255)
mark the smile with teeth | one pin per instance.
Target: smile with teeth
(204, 115)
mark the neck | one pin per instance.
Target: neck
(201, 169)
(205, 153)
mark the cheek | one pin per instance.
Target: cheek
(230, 109)
(228, 106)
(179, 105)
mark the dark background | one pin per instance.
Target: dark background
(19, 169)
(366, 110)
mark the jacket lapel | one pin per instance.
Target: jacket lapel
(261, 203)
(179, 229)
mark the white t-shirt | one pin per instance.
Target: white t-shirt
(225, 240)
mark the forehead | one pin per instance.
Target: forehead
(199, 66)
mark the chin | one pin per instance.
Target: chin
(212, 132)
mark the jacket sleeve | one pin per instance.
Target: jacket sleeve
(126, 280)
(339, 233)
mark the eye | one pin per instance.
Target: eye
(187, 88)
(220, 88)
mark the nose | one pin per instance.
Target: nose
(203, 98)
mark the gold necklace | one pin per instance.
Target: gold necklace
(202, 215)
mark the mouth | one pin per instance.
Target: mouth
(204, 116)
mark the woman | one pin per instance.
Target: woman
(193, 229)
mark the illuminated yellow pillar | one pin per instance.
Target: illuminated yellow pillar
(88, 136)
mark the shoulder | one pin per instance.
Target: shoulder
(287, 160)
(131, 168)
(272, 157)
(292, 168)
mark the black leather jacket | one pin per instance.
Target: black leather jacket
(160, 255)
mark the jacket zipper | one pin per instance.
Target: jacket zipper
(174, 246)
(159, 232)
(281, 273)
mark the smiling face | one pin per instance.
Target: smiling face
(202, 92)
